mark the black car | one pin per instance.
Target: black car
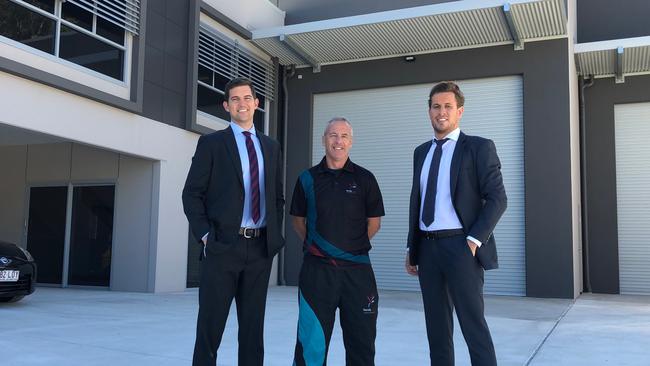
(17, 272)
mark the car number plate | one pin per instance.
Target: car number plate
(9, 275)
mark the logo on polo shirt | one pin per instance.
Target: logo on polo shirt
(352, 188)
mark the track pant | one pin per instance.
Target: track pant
(450, 277)
(323, 288)
(241, 273)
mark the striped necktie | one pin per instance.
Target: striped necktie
(255, 177)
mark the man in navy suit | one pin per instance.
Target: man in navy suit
(457, 199)
(233, 199)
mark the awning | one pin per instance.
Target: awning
(418, 30)
(616, 58)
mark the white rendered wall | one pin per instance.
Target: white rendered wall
(574, 135)
(250, 14)
(43, 109)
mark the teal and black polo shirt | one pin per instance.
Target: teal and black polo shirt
(336, 205)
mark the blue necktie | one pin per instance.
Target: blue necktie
(429, 210)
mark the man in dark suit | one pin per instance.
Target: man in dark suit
(233, 199)
(457, 199)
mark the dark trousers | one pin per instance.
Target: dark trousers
(241, 273)
(324, 288)
(450, 277)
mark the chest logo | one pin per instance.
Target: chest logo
(351, 188)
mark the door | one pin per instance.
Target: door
(388, 123)
(46, 231)
(90, 228)
(632, 122)
(91, 235)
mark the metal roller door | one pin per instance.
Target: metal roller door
(390, 122)
(632, 123)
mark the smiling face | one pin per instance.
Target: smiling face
(337, 141)
(444, 113)
(241, 105)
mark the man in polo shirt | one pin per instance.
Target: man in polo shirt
(336, 209)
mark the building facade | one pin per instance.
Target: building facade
(103, 102)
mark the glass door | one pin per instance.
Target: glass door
(91, 235)
(71, 249)
(46, 231)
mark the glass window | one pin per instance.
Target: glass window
(77, 16)
(84, 38)
(90, 52)
(259, 119)
(220, 81)
(110, 31)
(27, 26)
(261, 98)
(211, 101)
(205, 75)
(47, 5)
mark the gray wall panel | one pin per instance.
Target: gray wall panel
(49, 163)
(600, 20)
(91, 164)
(131, 242)
(164, 97)
(601, 175)
(13, 162)
(544, 66)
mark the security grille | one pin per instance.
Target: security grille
(632, 129)
(229, 59)
(123, 13)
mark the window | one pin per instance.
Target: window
(90, 33)
(221, 59)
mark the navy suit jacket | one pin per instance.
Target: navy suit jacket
(477, 192)
(213, 196)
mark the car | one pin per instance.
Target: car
(17, 272)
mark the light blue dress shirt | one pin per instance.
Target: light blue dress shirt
(240, 138)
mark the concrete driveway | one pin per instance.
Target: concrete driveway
(71, 327)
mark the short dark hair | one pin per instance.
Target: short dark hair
(445, 87)
(238, 82)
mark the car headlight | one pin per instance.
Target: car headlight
(27, 255)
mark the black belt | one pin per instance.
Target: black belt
(249, 232)
(441, 234)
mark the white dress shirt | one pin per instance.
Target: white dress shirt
(445, 217)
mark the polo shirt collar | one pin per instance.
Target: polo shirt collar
(322, 166)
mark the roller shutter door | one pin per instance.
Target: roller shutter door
(632, 123)
(390, 122)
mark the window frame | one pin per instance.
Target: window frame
(57, 17)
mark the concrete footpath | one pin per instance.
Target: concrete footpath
(73, 327)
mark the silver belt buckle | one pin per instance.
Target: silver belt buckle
(245, 233)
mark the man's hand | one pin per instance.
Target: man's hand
(412, 270)
(472, 247)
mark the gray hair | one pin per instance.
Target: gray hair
(338, 119)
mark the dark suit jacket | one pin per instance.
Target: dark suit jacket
(477, 192)
(213, 197)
